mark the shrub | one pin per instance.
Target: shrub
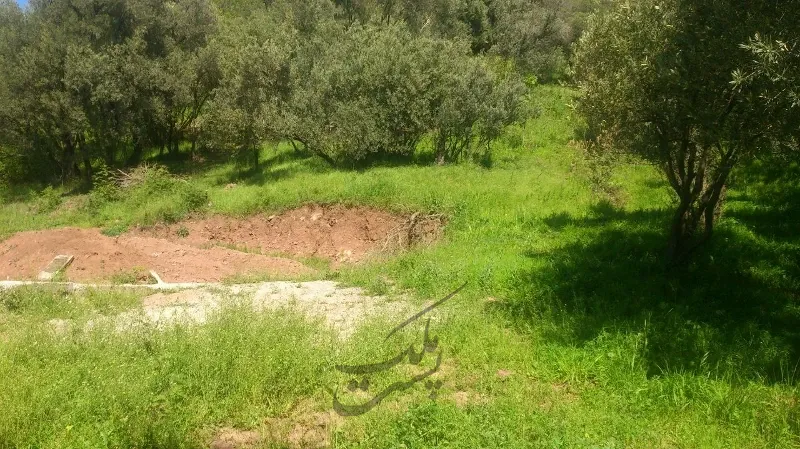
(192, 198)
(104, 187)
(47, 200)
(182, 232)
(153, 180)
(379, 91)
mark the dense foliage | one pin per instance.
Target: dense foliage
(690, 86)
(87, 81)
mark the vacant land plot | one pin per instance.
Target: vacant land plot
(571, 332)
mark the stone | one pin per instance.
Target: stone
(57, 265)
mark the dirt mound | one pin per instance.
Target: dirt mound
(339, 233)
(98, 257)
(216, 248)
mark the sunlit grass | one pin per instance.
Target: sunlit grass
(567, 292)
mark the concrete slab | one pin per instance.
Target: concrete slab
(58, 264)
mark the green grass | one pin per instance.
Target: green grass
(567, 291)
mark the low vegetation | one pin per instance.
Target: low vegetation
(571, 332)
(581, 154)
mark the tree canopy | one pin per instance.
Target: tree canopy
(106, 80)
(676, 83)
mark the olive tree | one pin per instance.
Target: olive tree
(379, 90)
(370, 93)
(254, 64)
(475, 104)
(535, 33)
(657, 80)
(773, 76)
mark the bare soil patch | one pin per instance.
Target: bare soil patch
(340, 308)
(339, 233)
(306, 430)
(216, 248)
(229, 438)
(98, 257)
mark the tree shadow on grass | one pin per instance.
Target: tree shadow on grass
(734, 311)
(279, 163)
(267, 172)
(770, 205)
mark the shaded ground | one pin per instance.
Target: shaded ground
(217, 248)
(735, 309)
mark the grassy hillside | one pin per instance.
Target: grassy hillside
(570, 334)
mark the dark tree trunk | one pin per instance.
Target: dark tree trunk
(87, 161)
(110, 156)
(136, 155)
(87, 165)
(172, 146)
(694, 220)
(681, 233)
(68, 164)
(255, 157)
(700, 186)
(295, 147)
(441, 149)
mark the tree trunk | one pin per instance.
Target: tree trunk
(441, 148)
(679, 236)
(110, 155)
(255, 158)
(171, 139)
(136, 155)
(68, 165)
(319, 153)
(692, 217)
(87, 162)
(295, 147)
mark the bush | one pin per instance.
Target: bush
(104, 187)
(476, 106)
(379, 91)
(47, 200)
(192, 198)
(175, 199)
(152, 180)
(150, 192)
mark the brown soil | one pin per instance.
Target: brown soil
(338, 233)
(217, 248)
(235, 439)
(98, 257)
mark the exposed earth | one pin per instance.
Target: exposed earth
(217, 248)
(340, 308)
